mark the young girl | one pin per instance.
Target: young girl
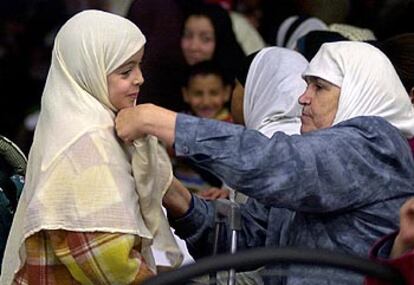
(91, 206)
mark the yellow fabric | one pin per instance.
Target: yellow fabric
(64, 257)
(109, 260)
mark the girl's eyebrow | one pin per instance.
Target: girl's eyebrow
(131, 62)
(126, 64)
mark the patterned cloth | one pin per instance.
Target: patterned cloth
(65, 257)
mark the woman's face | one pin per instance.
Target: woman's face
(125, 81)
(320, 104)
(198, 40)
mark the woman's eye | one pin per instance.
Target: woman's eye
(206, 39)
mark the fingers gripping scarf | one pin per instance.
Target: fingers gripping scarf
(79, 174)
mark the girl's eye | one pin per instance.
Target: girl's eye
(126, 72)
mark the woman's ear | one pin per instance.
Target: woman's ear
(412, 95)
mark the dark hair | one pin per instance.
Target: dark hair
(309, 44)
(244, 67)
(228, 51)
(400, 50)
(207, 67)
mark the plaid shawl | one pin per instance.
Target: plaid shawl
(65, 257)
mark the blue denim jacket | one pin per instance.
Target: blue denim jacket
(338, 188)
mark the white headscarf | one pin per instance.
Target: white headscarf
(273, 86)
(303, 27)
(79, 176)
(369, 83)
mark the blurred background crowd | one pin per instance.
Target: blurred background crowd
(28, 27)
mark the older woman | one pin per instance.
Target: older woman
(337, 186)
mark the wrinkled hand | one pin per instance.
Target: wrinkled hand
(129, 125)
(215, 193)
(405, 238)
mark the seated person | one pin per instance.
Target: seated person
(337, 186)
(91, 206)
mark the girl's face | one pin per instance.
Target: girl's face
(198, 40)
(125, 81)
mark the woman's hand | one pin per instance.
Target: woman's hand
(146, 119)
(129, 123)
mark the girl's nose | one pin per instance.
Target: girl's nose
(139, 79)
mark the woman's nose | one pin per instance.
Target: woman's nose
(305, 98)
(194, 44)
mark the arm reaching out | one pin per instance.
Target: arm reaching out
(146, 119)
(177, 200)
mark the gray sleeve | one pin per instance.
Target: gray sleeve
(348, 166)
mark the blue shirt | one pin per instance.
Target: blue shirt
(338, 188)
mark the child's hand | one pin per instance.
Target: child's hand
(405, 238)
(215, 193)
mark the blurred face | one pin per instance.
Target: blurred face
(198, 41)
(320, 104)
(125, 81)
(206, 95)
(237, 103)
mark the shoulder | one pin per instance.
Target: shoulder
(367, 127)
(365, 133)
(371, 128)
(368, 123)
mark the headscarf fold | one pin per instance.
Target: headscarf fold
(273, 86)
(369, 83)
(79, 176)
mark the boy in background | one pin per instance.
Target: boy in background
(207, 93)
